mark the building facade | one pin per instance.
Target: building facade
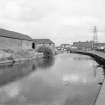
(99, 46)
(88, 45)
(14, 41)
(45, 42)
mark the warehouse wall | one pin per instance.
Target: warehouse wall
(14, 44)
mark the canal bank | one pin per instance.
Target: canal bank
(99, 57)
(10, 57)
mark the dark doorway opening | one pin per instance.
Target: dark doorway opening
(33, 45)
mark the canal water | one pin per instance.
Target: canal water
(69, 79)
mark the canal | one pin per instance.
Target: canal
(69, 79)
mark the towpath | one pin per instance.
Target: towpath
(98, 53)
(101, 97)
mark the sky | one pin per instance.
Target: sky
(63, 21)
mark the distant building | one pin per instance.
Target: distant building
(45, 42)
(88, 45)
(14, 41)
(65, 45)
(99, 45)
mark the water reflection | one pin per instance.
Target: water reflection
(14, 72)
(9, 92)
(74, 78)
(17, 71)
(68, 81)
(46, 62)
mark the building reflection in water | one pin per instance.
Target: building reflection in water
(14, 72)
(17, 71)
(47, 87)
(46, 62)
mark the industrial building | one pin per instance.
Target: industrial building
(15, 41)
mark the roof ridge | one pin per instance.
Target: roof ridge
(13, 34)
(43, 40)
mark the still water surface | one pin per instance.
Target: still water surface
(71, 79)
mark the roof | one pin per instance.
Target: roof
(65, 45)
(14, 35)
(43, 41)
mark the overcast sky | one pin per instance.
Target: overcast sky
(60, 20)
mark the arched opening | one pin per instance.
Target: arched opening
(33, 45)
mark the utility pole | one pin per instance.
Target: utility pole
(95, 37)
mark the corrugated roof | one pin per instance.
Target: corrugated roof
(43, 41)
(14, 35)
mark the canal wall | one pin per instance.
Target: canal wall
(99, 57)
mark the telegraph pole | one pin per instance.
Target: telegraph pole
(95, 37)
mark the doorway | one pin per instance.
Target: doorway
(33, 45)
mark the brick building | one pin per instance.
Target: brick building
(88, 45)
(14, 41)
(45, 42)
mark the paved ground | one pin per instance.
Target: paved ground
(101, 97)
(101, 54)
